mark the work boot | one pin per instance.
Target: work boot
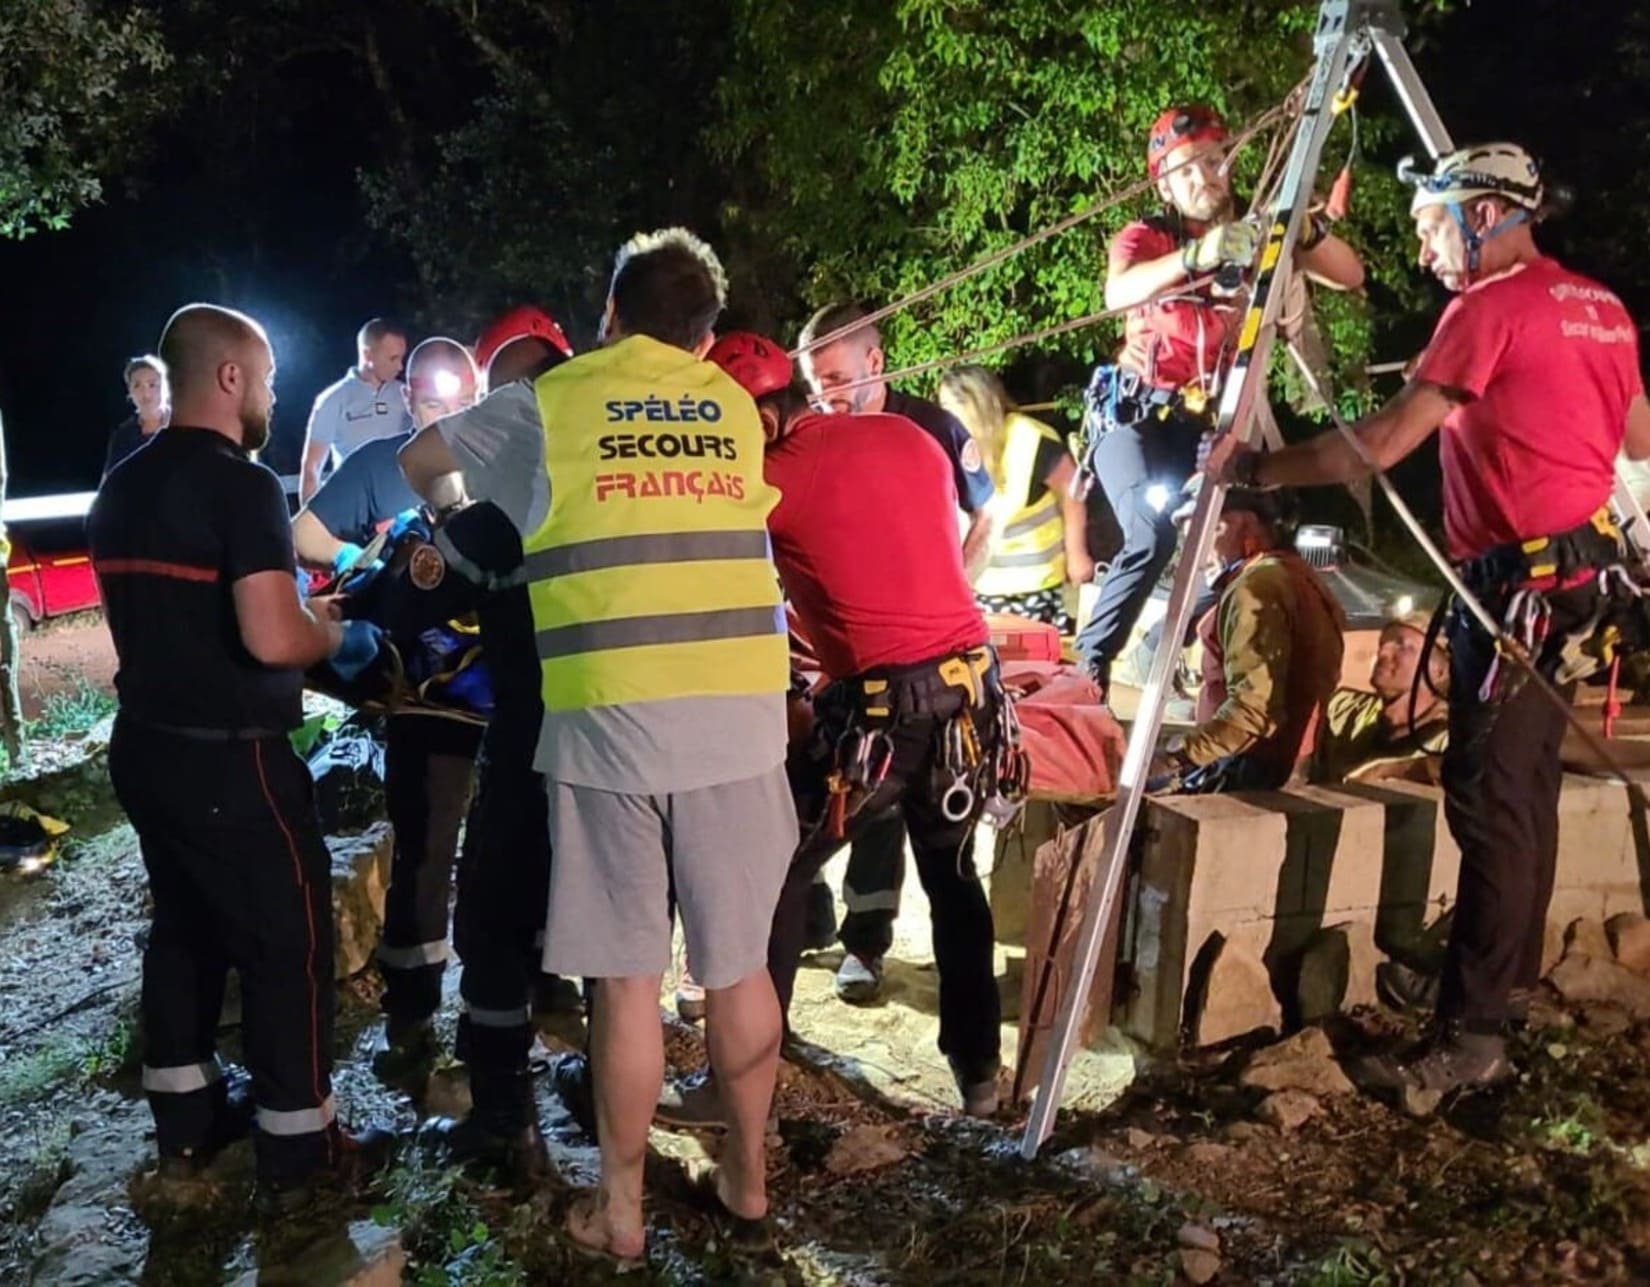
(690, 999)
(554, 996)
(179, 1180)
(570, 1079)
(690, 1103)
(515, 1148)
(356, 1157)
(1451, 1059)
(406, 1055)
(859, 981)
(819, 932)
(1405, 989)
(980, 1096)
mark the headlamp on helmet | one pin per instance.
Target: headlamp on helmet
(1502, 170)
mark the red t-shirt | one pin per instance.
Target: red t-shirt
(1551, 362)
(865, 537)
(1177, 341)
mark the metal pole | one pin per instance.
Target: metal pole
(1333, 46)
(1406, 81)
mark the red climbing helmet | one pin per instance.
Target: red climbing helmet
(757, 365)
(520, 323)
(1192, 123)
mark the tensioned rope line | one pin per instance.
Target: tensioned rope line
(1030, 337)
(1262, 122)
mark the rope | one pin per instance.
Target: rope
(1262, 122)
(1505, 645)
(1019, 341)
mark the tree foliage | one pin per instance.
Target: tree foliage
(79, 83)
(896, 143)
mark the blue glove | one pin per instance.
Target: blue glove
(347, 554)
(358, 650)
(408, 518)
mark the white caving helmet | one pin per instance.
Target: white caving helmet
(1487, 170)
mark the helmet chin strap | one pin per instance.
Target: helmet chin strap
(1475, 240)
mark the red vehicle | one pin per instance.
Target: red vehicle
(50, 571)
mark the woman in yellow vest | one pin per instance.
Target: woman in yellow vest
(1040, 543)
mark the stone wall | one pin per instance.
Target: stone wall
(1261, 909)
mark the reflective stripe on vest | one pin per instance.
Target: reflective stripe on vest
(1030, 551)
(651, 577)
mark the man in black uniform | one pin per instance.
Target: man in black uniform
(504, 869)
(844, 377)
(193, 555)
(429, 754)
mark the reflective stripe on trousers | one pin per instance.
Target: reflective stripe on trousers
(512, 1018)
(296, 1121)
(414, 957)
(181, 1079)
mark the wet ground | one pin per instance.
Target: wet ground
(63, 656)
(874, 1179)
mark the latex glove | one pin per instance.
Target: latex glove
(407, 518)
(346, 556)
(358, 650)
(1227, 243)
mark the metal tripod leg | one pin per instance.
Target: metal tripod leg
(1336, 42)
(1406, 81)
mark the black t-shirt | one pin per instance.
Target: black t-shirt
(127, 437)
(366, 490)
(171, 531)
(974, 486)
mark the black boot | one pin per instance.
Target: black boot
(405, 1057)
(570, 1079)
(1405, 989)
(180, 1181)
(1451, 1059)
(502, 1129)
(353, 1158)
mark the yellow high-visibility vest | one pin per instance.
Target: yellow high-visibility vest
(651, 577)
(1030, 551)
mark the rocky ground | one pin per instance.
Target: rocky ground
(1258, 1163)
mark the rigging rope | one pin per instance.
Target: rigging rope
(1264, 121)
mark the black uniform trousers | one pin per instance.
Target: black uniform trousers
(1501, 777)
(1128, 461)
(871, 885)
(241, 879)
(429, 761)
(498, 926)
(970, 1010)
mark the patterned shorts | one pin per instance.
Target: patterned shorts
(1040, 605)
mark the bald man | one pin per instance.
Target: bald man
(193, 554)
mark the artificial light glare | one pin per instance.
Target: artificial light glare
(1157, 496)
(447, 384)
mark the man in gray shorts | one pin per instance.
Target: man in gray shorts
(634, 473)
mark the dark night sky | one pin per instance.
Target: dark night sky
(288, 245)
(286, 240)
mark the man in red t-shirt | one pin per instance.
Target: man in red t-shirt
(1144, 409)
(1533, 378)
(865, 541)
